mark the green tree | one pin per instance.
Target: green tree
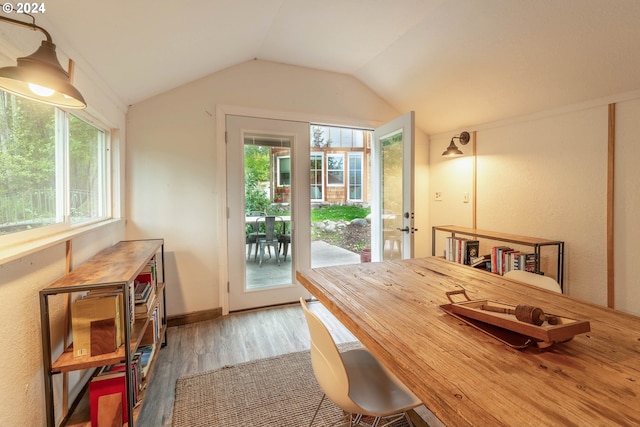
(257, 166)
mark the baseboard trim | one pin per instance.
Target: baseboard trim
(196, 316)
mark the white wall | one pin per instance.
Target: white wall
(627, 206)
(546, 176)
(172, 154)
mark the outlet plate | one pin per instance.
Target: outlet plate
(438, 196)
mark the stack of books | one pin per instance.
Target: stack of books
(145, 292)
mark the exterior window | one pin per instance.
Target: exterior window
(335, 169)
(52, 169)
(284, 170)
(355, 176)
(87, 177)
(316, 176)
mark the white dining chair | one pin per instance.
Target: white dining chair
(355, 381)
(538, 280)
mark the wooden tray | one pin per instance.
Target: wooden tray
(475, 312)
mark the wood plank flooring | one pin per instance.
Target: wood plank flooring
(229, 340)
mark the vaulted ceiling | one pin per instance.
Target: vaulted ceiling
(455, 62)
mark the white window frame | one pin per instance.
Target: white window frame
(358, 155)
(37, 237)
(320, 155)
(342, 156)
(278, 182)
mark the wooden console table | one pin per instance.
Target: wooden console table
(534, 242)
(468, 378)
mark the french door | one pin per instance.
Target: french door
(267, 175)
(392, 211)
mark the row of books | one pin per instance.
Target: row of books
(111, 380)
(462, 250)
(505, 259)
(501, 260)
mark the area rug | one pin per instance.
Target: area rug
(275, 392)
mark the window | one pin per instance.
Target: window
(335, 169)
(284, 170)
(355, 176)
(53, 168)
(336, 137)
(316, 176)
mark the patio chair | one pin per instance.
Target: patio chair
(254, 234)
(270, 238)
(284, 240)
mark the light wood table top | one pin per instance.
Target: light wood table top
(468, 378)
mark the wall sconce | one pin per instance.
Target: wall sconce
(452, 150)
(40, 76)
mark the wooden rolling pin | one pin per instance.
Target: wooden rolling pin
(525, 313)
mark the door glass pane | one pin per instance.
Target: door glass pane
(268, 201)
(391, 157)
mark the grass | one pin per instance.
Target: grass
(336, 213)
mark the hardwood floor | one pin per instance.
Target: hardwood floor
(229, 340)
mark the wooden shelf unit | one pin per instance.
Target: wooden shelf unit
(115, 268)
(534, 242)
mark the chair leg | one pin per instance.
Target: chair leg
(261, 253)
(317, 409)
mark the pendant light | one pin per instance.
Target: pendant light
(40, 76)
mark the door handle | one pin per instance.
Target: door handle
(407, 229)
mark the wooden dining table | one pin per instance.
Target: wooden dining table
(466, 377)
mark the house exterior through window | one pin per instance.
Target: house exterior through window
(340, 164)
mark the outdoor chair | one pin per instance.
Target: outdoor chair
(254, 233)
(284, 240)
(270, 238)
(355, 381)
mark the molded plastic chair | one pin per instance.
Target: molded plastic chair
(534, 279)
(354, 380)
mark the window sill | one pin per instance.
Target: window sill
(12, 252)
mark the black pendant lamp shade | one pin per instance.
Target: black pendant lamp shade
(40, 76)
(452, 150)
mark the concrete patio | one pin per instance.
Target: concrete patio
(272, 274)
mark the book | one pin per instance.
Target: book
(142, 310)
(110, 410)
(90, 309)
(103, 336)
(472, 252)
(142, 291)
(104, 384)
